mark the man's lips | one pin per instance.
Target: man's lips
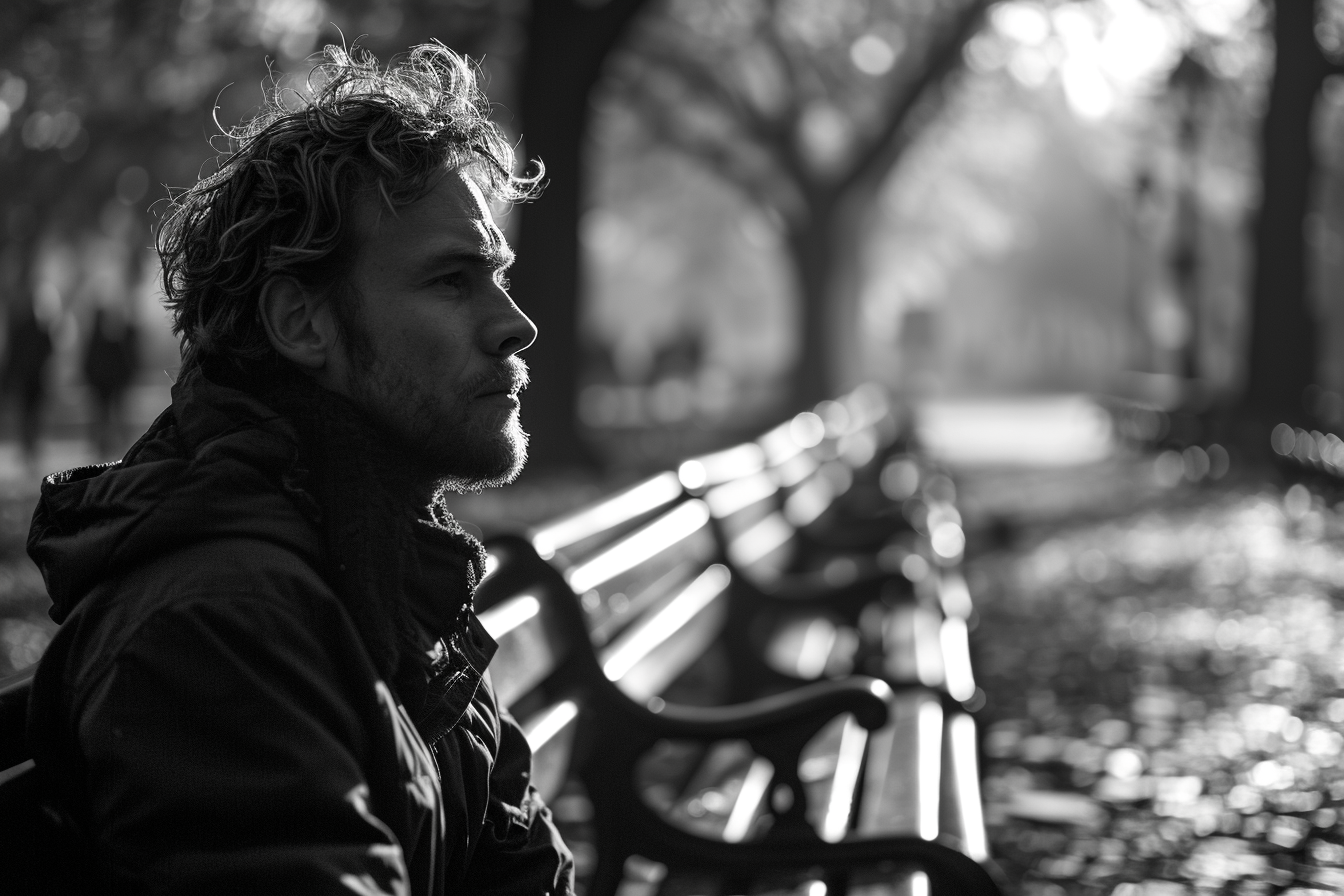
(509, 389)
(509, 379)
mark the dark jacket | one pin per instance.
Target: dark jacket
(268, 678)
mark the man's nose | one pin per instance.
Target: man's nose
(511, 332)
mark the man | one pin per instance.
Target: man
(268, 676)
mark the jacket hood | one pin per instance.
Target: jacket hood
(217, 463)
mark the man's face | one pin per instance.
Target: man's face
(432, 342)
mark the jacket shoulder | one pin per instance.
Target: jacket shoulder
(248, 589)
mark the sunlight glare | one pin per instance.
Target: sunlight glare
(1104, 51)
(1217, 17)
(1025, 23)
(872, 55)
(1086, 88)
(1139, 44)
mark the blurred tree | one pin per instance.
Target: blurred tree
(1308, 45)
(803, 105)
(567, 42)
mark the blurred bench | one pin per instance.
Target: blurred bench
(802, 602)
(794, 799)
(876, 590)
(709, 585)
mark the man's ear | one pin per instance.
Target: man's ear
(299, 324)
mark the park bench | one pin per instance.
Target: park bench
(897, 608)
(837, 782)
(875, 602)
(662, 603)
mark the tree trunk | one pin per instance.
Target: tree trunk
(1282, 356)
(567, 43)
(825, 250)
(813, 261)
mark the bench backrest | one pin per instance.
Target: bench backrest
(765, 494)
(643, 567)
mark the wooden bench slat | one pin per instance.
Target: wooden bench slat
(633, 598)
(779, 445)
(637, 643)
(7, 776)
(794, 470)
(954, 641)
(900, 797)
(761, 541)
(527, 652)
(968, 821)
(737, 495)
(639, 546)
(911, 640)
(953, 594)
(550, 734)
(606, 514)
(809, 646)
(708, 470)
(674, 653)
(844, 781)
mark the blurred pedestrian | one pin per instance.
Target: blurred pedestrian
(111, 357)
(23, 379)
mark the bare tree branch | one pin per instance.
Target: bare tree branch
(713, 90)
(763, 191)
(769, 32)
(943, 59)
(785, 146)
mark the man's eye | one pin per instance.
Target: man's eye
(454, 279)
(502, 280)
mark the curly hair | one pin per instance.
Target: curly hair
(279, 202)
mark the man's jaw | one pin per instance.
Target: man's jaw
(498, 459)
(492, 442)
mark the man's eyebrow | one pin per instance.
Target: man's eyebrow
(498, 256)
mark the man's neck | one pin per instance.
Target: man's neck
(344, 441)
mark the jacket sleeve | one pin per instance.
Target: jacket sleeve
(222, 750)
(520, 851)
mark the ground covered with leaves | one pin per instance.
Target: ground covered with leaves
(1165, 698)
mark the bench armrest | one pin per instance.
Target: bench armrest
(805, 706)
(616, 733)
